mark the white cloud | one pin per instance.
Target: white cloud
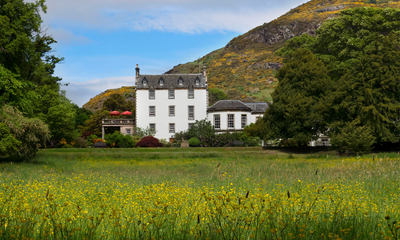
(189, 16)
(67, 37)
(81, 92)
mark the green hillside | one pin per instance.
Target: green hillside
(246, 66)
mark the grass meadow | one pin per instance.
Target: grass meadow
(198, 193)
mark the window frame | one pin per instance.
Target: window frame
(169, 93)
(233, 121)
(150, 94)
(245, 120)
(152, 124)
(190, 118)
(190, 125)
(169, 110)
(219, 121)
(190, 90)
(128, 131)
(169, 128)
(150, 115)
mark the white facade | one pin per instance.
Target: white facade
(234, 115)
(170, 103)
(241, 119)
(162, 103)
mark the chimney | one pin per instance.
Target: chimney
(204, 70)
(137, 70)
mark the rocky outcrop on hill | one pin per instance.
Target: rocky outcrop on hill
(248, 61)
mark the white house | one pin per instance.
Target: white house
(170, 103)
(234, 115)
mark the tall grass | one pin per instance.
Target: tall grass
(244, 193)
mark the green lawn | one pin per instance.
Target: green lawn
(199, 193)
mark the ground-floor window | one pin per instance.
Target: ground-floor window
(129, 131)
(231, 121)
(217, 121)
(152, 126)
(244, 120)
(191, 112)
(172, 127)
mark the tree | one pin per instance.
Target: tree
(94, 123)
(116, 102)
(82, 114)
(297, 109)
(215, 94)
(26, 71)
(24, 44)
(360, 49)
(369, 92)
(352, 139)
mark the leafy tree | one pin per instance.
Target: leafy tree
(369, 92)
(304, 41)
(14, 91)
(94, 123)
(255, 129)
(297, 111)
(201, 128)
(116, 102)
(24, 44)
(143, 132)
(82, 114)
(352, 139)
(215, 94)
(361, 51)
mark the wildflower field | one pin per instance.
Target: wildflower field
(197, 193)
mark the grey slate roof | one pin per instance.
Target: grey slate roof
(236, 105)
(171, 81)
(259, 107)
(229, 105)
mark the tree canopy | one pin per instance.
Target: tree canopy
(360, 50)
(297, 111)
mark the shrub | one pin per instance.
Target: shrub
(194, 142)
(30, 134)
(80, 143)
(118, 139)
(67, 146)
(202, 128)
(149, 141)
(85, 135)
(165, 143)
(91, 139)
(352, 139)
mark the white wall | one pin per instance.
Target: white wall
(254, 117)
(162, 103)
(224, 119)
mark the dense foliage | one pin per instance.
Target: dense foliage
(20, 137)
(297, 108)
(116, 102)
(117, 139)
(26, 78)
(362, 61)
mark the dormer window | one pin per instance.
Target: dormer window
(197, 82)
(180, 82)
(161, 82)
(144, 82)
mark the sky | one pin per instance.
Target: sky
(103, 40)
